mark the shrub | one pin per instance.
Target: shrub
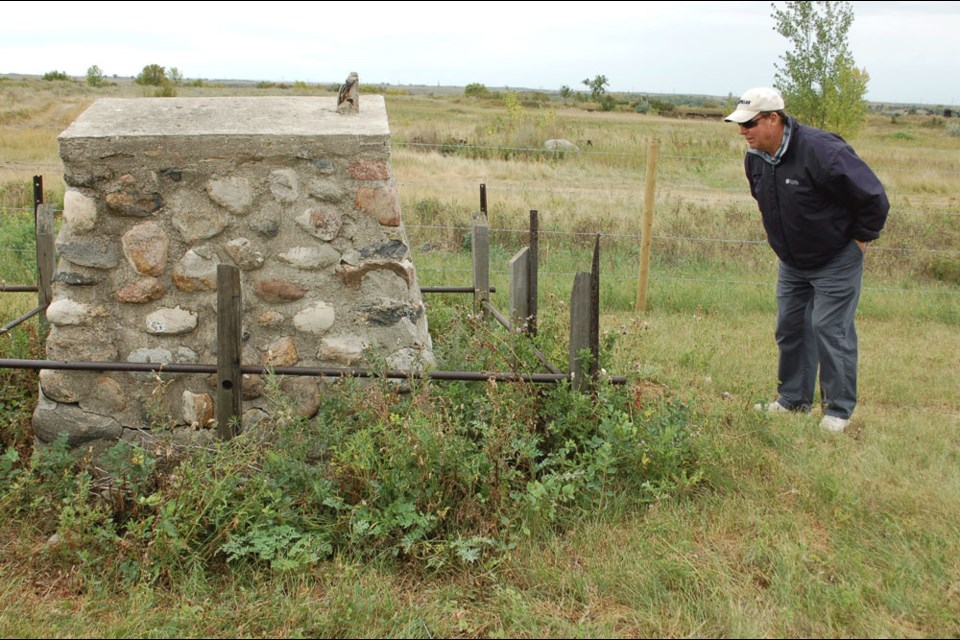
(95, 76)
(152, 75)
(167, 89)
(476, 90)
(438, 476)
(56, 75)
(662, 107)
(944, 269)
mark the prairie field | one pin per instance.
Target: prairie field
(755, 526)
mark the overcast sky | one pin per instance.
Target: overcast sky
(910, 49)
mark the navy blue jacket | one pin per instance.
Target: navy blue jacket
(818, 198)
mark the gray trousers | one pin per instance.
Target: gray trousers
(815, 329)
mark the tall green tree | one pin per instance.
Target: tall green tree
(819, 79)
(152, 75)
(598, 86)
(95, 76)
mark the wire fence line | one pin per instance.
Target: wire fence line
(603, 234)
(638, 236)
(659, 276)
(625, 154)
(741, 195)
(745, 197)
(665, 193)
(685, 186)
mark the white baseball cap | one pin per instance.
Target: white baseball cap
(756, 101)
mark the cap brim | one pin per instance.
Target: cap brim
(741, 115)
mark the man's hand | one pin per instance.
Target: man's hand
(862, 245)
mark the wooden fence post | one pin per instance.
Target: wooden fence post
(229, 390)
(580, 330)
(520, 288)
(595, 311)
(533, 269)
(653, 154)
(481, 262)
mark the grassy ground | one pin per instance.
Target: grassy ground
(789, 533)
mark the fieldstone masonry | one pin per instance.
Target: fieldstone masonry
(161, 191)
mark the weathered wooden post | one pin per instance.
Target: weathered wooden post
(46, 255)
(523, 281)
(585, 325)
(580, 331)
(533, 272)
(653, 153)
(595, 312)
(229, 391)
(520, 289)
(46, 260)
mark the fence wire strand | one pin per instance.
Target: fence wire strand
(622, 154)
(637, 236)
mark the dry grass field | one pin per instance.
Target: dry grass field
(789, 532)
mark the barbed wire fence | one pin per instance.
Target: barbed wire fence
(680, 190)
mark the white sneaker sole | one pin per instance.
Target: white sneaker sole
(772, 407)
(834, 424)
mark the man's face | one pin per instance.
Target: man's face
(763, 132)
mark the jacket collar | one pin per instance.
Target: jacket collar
(774, 160)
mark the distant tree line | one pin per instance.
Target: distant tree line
(56, 75)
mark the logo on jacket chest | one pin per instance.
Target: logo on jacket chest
(791, 182)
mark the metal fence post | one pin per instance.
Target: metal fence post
(229, 391)
(481, 262)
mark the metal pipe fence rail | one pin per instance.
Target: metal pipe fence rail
(322, 372)
(18, 288)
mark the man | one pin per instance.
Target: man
(820, 205)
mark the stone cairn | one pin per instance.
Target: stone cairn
(160, 191)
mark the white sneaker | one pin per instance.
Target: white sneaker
(773, 407)
(834, 424)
